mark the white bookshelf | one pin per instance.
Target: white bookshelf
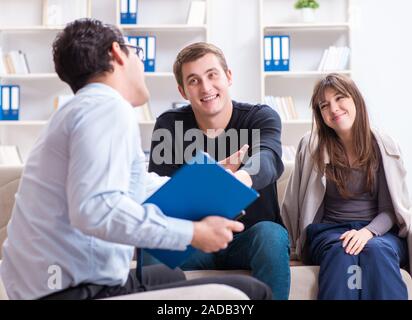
(308, 41)
(164, 19)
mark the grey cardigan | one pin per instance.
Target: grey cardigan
(306, 189)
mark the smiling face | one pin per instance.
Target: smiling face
(206, 86)
(338, 111)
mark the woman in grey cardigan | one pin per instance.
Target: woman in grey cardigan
(346, 206)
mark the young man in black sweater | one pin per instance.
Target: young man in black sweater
(246, 140)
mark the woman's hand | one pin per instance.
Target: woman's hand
(355, 240)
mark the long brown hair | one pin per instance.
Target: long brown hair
(367, 156)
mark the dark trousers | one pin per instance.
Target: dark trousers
(374, 274)
(161, 277)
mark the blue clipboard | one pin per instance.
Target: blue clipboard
(198, 189)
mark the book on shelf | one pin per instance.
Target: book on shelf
(288, 153)
(197, 13)
(284, 106)
(10, 155)
(334, 59)
(143, 113)
(3, 68)
(14, 62)
(60, 12)
(61, 100)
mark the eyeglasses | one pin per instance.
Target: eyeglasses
(138, 50)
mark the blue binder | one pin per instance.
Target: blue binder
(150, 57)
(277, 51)
(5, 102)
(1, 108)
(132, 12)
(14, 102)
(285, 48)
(267, 53)
(199, 189)
(124, 11)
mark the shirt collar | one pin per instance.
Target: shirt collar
(101, 89)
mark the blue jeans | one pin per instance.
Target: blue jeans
(263, 249)
(373, 274)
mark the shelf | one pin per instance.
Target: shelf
(30, 76)
(163, 27)
(23, 123)
(302, 74)
(159, 74)
(37, 76)
(297, 122)
(30, 28)
(307, 27)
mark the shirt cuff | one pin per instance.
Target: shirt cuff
(182, 231)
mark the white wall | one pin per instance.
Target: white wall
(382, 59)
(382, 55)
(382, 65)
(234, 28)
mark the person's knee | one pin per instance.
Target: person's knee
(377, 249)
(270, 239)
(269, 231)
(335, 249)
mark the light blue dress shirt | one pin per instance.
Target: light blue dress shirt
(78, 211)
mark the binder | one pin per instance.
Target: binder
(267, 53)
(150, 56)
(133, 41)
(5, 102)
(1, 108)
(276, 51)
(142, 44)
(14, 102)
(199, 189)
(124, 12)
(285, 48)
(132, 17)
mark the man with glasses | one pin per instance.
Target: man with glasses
(78, 212)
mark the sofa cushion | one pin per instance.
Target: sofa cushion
(304, 283)
(9, 182)
(3, 294)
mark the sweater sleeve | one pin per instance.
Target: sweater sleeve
(385, 218)
(265, 165)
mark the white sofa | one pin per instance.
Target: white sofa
(303, 278)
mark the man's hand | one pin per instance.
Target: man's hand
(244, 177)
(213, 233)
(234, 161)
(355, 240)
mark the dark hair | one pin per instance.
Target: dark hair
(192, 53)
(82, 51)
(364, 144)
